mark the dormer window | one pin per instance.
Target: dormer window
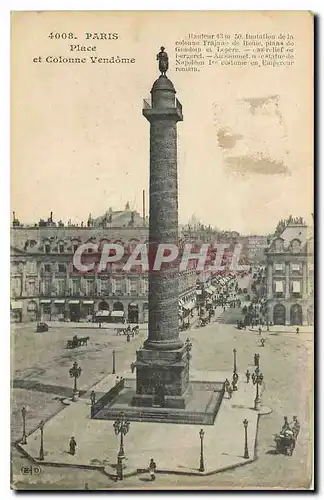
(279, 245)
(295, 246)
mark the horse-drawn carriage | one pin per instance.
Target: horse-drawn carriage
(42, 327)
(203, 321)
(128, 331)
(77, 342)
(285, 442)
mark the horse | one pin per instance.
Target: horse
(135, 329)
(83, 340)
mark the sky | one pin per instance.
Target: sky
(81, 145)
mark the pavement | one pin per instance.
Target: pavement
(175, 447)
(286, 363)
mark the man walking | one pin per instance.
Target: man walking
(248, 375)
(152, 469)
(295, 427)
(93, 397)
(73, 446)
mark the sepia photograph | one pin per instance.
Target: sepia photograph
(162, 250)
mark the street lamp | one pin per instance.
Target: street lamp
(201, 465)
(41, 449)
(113, 361)
(75, 373)
(121, 426)
(234, 367)
(23, 414)
(246, 450)
(257, 381)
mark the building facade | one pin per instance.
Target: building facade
(290, 298)
(46, 286)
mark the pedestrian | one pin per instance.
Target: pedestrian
(128, 338)
(295, 427)
(297, 330)
(253, 378)
(260, 330)
(286, 426)
(72, 445)
(117, 380)
(248, 375)
(262, 342)
(93, 397)
(100, 325)
(255, 359)
(229, 392)
(152, 469)
(227, 384)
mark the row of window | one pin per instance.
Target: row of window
(61, 247)
(89, 287)
(294, 267)
(295, 288)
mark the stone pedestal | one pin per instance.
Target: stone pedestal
(161, 378)
(75, 396)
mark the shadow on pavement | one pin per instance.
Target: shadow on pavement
(32, 385)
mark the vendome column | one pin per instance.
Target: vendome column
(162, 373)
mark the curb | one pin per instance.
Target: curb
(201, 474)
(102, 468)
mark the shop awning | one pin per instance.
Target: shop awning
(296, 286)
(88, 302)
(132, 304)
(16, 304)
(45, 301)
(74, 302)
(59, 301)
(103, 313)
(117, 314)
